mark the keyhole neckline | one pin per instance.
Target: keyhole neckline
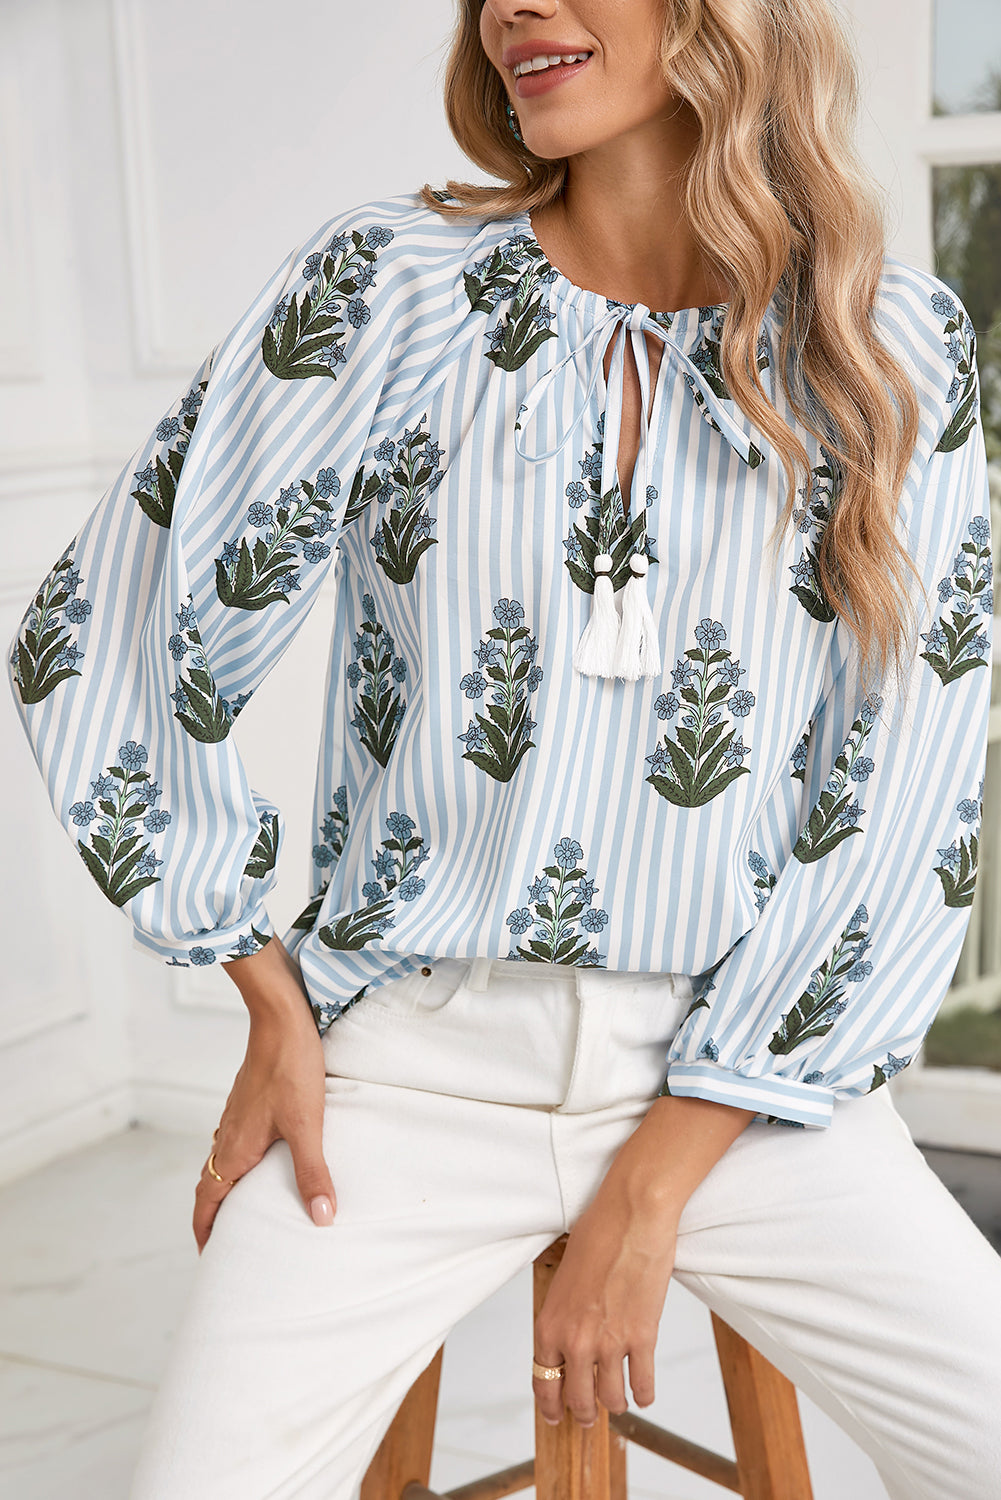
(600, 395)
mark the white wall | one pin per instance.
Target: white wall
(156, 164)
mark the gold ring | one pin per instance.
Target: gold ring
(548, 1372)
(228, 1180)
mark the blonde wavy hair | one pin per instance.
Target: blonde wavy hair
(781, 206)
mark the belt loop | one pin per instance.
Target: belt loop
(479, 973)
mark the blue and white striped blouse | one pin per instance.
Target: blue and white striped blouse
(557, 728)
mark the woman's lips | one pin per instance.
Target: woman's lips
(530, 84)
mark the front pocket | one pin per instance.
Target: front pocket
(417, 993)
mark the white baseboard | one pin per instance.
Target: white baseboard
(189, 1110)
(69, 1130)
(956, 1108)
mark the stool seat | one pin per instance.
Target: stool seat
(589, 1463)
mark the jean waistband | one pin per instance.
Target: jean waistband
(482, 970)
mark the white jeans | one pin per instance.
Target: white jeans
(471, 1115)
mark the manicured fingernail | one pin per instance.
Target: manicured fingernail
(553, 1421)
(322, 1210)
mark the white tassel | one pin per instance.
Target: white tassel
(637, 652)
(594, 654)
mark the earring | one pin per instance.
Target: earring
(512, 120)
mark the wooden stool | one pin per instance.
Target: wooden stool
(589, 1463)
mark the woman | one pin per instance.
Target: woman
(574, 944)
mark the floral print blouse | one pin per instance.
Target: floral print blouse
(420, 406)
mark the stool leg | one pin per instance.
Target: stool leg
(405, 1451)
(571, 1462)
(764, 1418)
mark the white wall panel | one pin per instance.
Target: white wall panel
(157, 165)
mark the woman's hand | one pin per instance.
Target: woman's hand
(278, 1092)
(607, 1295)
(604, 1305)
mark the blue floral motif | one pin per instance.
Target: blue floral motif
(156, 481)
(253, 575)
(395, 866)
(562, 902)
(119, 859)
(702, 757)
(516, 271)
(379, 708)
(604, 529)
(889, 1069)
(201, 957)
(498, 739)
(45, 654)
(819, 496)
(958, 644)
(835, 815)
(764, 880)
(198, 706)
(706, 356)
(958, 864)
(305, 332)
(815, 1012)
(403, 533)
(961, 348)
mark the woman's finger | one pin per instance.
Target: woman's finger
(209, 1193)
(610, 1383)
(548, 1393)
(641, 1372)
(312, 1174)
(579, 1396)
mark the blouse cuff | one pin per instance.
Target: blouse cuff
(242, 940)
(784, 1098)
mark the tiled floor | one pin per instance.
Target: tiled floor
(95, 1255)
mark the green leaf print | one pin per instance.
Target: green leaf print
(379, 709)
(957, 867)
(403, 533)
(198, 706)
(799, 756)
(514, 271)
(604, 528)
(707, 360)
(246, 946)
(835, 816)
(45, 653)
(304, 337)
(363, 492)
(958, 645)
(496, 741)
(156, 484)
(326, 852)
(118, 857)
(264, 854)
(817, 1009)
(889, 1069)
(252, 576)
(764, 880)
(400, 856)
(703, 757)
(961, 347)
(563, 913)
(818, 498)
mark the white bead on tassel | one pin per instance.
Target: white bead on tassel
(637, 652)
(594, 654)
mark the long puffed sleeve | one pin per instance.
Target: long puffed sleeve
(833, 989)
(185, 586)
